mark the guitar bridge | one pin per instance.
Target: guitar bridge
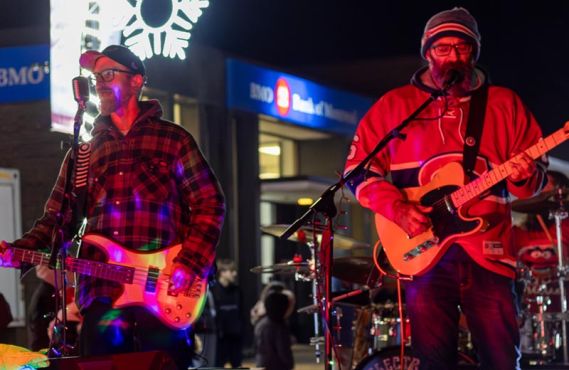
(421, 248)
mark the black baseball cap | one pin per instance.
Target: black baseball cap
(118, 53)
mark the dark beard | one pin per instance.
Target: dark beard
(107, 106)
(443, 73)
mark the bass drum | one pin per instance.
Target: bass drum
(388, 359)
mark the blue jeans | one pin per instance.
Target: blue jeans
(486, 299)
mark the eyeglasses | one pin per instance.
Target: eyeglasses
(107, 75)
(442, 50)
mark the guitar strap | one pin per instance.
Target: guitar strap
(80, 185)
(474, 126)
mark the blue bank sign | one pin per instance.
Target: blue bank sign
(24, 73)
(293, 99)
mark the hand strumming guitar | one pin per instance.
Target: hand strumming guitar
(181, 278)
(411, 217)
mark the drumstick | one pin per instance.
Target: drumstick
(547, 233)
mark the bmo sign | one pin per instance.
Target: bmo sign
(293, 99)
(31, 75)
(24, 73)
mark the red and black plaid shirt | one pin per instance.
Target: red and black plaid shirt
(149, 189)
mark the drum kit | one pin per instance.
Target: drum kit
(542, 280)
(375, 323)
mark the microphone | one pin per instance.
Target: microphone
(80, 89)
(453, 77)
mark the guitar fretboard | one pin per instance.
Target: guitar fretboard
(473, 189)
(101, 270)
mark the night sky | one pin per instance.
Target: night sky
(525, 45)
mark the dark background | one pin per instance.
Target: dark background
(525, 45)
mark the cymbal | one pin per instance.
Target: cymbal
(289, 267)
(543, 202)
(362, 270)
(359, 270)
(305, 235)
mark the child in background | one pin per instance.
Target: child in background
(272, 335)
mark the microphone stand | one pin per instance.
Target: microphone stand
(325, 206)
(61, 240)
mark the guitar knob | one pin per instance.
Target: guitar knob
(168, 311)
(188, 315)
(179, 306)
(177, 319)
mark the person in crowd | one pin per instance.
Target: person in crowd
(272, 334)
(229, 315)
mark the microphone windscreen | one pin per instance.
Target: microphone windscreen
(80, 89)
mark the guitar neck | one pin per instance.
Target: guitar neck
(491, 178)
(101, 270)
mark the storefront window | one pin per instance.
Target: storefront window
(186, 114)
(270, 160)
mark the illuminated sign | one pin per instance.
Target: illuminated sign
(283, 96)
(171, 38)
(293, 99)
(80, 25)
(24, 73)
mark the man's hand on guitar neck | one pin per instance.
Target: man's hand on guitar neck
(523, 167)
(6, 255)
(411, 217)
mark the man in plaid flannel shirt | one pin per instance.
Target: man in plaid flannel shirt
(149, 187)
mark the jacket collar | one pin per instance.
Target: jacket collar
(418, 80)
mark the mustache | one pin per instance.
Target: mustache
(101, 89)
(463, 68)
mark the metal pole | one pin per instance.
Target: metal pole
(317, 338)
(560, 214)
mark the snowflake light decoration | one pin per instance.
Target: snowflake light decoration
(145, 40)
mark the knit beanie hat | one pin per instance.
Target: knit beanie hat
(454, 22)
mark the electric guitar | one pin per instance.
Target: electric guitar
(450, 198)
(145, 277)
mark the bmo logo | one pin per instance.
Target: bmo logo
(283, 96)
(261, 93)
(280, 95)
(21, 76)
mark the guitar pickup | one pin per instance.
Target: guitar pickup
(421, 248)
(152, 279)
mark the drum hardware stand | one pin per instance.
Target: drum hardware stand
(338, 314)
(316, 340)
(559, 215)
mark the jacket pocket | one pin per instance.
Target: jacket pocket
(152, 179)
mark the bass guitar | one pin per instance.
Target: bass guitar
(145, 277)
